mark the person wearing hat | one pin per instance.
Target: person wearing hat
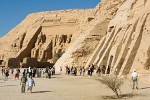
(134, 79)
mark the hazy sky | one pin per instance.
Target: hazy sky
(12, 12)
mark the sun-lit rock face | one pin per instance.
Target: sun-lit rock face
(44, 35)
(121, 28)
(82, 51)
(115, 34)
(126, 45)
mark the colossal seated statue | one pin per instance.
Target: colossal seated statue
(69, 38)
(43, 38)
(39, 39)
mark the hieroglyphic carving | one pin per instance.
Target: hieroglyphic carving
(52, 20)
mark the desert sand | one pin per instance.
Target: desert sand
(64, 87)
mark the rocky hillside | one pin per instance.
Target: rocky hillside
(115, 34)
(123, 43)
(44, 35)
(126, 44)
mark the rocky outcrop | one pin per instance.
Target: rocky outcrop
(43, 35)
(79, 53)
(123, 45)
(126, 46)
(115, 34)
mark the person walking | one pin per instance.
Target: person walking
(75, 71)
(23, 83)
(17, 74)
(98, 71)
(43, 72)
(134, 79)
(2, 71)
(6, 74)
(80, 70)
(60, 69)
(34, 72)
(12, 71)
(24, 73)
(29, 71)
(40, 73)
(46, 72)
(53, 70)
(89, 71)
(49, 73)
(68, 70)
(83, 71)
(30, 84)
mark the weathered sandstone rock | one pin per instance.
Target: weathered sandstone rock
(125, 46)
(114, 34)
(42, 34)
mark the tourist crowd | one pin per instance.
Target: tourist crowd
(34, 72)
(27, 74)
(82, 70)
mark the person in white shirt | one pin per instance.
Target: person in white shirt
(30, 84)
(29, 71)
(134, 79)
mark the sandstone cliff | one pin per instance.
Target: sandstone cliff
(42, 35)
(126, 46)
(123, 45)
(79, 53)
(115, 34)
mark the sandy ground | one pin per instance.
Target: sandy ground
(63, 87)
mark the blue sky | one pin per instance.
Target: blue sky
(12, 12)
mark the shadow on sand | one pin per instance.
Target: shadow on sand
(41, 91)
(8, 85)
(123, 96)
(145, 88)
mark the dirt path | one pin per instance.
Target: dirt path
(62, 87)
